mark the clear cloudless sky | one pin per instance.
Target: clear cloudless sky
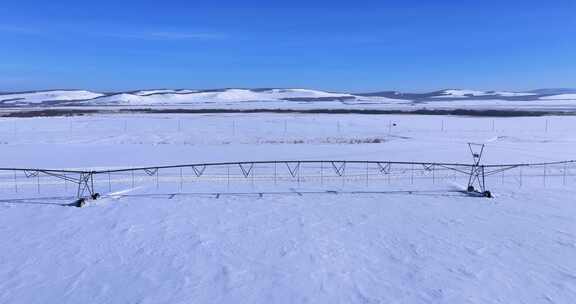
(410, 45)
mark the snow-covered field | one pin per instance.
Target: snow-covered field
(424, 247)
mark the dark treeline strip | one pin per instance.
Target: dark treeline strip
(454, 112)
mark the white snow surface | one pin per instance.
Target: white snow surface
(436, 247)
(292, 249)
(42, 96)
(560, 97)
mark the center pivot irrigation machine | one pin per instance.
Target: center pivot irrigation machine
(274, 177)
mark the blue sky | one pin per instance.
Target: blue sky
(349, 46)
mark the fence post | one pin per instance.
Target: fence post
(564, 175)
(520, 177)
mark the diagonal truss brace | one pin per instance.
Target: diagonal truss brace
(293, 170)
(339, 168)
(246, 171)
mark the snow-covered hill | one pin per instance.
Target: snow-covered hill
(560, 97)
(46, 96)
(165, 97)
(274, 98)
(474, 93)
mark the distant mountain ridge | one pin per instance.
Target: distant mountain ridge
(271, 96)
(554, 91)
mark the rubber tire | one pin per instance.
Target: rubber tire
(79, 203)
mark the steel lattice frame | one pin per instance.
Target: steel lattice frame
(476, 171)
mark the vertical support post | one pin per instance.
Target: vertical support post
(228, 177)
(521, 177)
(343, 176)
(299, 174)
(15, 182)
(367, 174)
(564, 175)
(253, 172)
(181, 179)
(322, 173)
(483, 180)
(412, 172)
(275, 173)
(91, 184)
(477, 172)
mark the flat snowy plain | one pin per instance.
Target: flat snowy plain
(436, 247)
